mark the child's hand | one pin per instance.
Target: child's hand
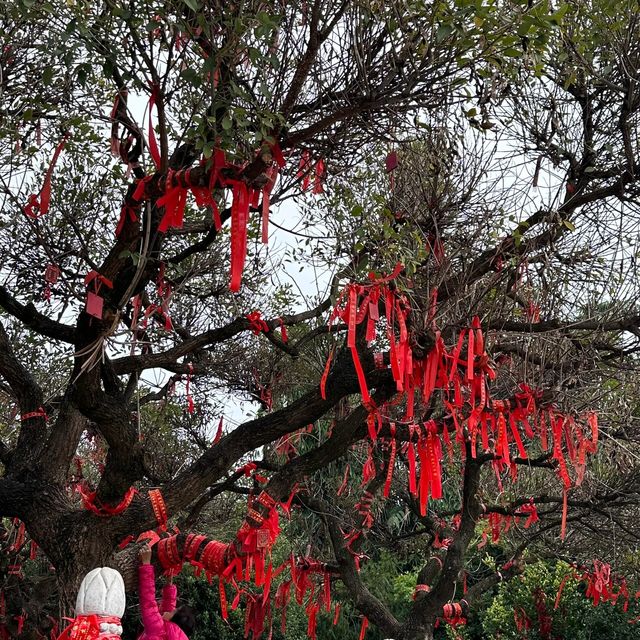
(145, 555)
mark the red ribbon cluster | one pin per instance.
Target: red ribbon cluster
(303, 571)
(256, 323)
(463, 374)
(159, 508)
(452, 614)
(358, 303)
(307, 171)
(104, 510)
(177, 185)
(88, 628)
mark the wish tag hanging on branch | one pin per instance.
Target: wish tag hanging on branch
(94, 305)
(391, 161)
(262, 539)
(51, 273)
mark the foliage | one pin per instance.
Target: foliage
(575, 616)
(509, 222)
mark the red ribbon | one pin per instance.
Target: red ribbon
(174, 202)
(105, 510)
(363, 627)
(256, 323)
(392, 461)
(190, 404)
(239, 221)
(126, 212)
(159, 508)
(38, 205)
(153, 144)
(38, 413)
(218, 435)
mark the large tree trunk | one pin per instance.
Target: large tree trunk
(410, 632)
(72, 542)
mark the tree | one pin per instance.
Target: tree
(502, 310)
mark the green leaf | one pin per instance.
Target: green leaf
(47, 75)
(569, 225)
(192, 4)
(510, 52)
(443, 32)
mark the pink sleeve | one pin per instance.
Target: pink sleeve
(169, 597)
(151, 618)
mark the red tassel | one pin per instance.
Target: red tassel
(560, 589)
(592, 419)
(563, 527)
(502, 444)
(223, 600)
(516, 436)
(190, 404)
(304, 170)
(424, 474)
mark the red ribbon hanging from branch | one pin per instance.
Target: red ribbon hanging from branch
(153, 144)
(159, 508)
(239, 221)
(38, 205)
(190, 403)
(104, 510)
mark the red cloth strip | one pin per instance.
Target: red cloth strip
(153, 144)
(38, 205)
(159, 508)
(38, 413)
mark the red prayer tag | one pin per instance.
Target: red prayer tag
(94, 305)
(391, 162)
(262, 539)
(52, 273)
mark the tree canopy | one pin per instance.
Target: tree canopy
(406, 232)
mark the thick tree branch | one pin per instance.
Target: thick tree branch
(33, 319)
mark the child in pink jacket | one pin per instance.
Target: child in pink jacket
(167, 623)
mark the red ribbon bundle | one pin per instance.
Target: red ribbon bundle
(104, 510)
(159, 508)
(529, 510)
(242, 198)
(256, 324)
(599, 583)
(88, 628)
(169, 555)
(174, 202)
(452, 614)
(359, 302)
(430, 455)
